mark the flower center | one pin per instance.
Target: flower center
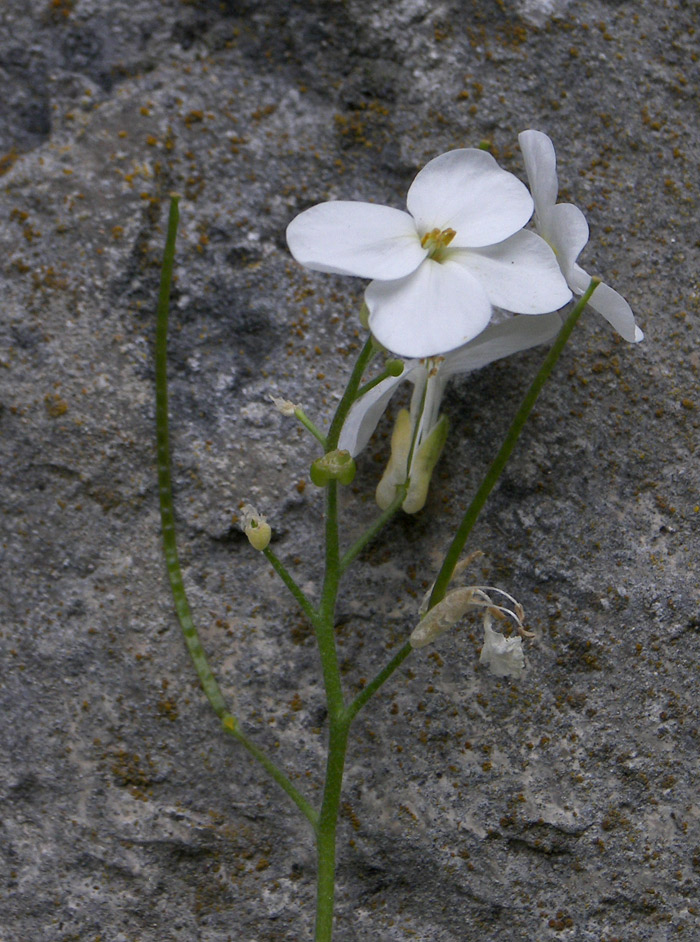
(436, 241)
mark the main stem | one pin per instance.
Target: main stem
(327, 825)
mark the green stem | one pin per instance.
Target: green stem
(324, 622)
(499, 462)
(350, 393)
(206, 677)
(308, 424)
(385, 374)
(230, 724)
(281, 571)
(367, 692)
(370, 533)
(326, 831)
(167, 515)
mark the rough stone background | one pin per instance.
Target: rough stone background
(563, 806)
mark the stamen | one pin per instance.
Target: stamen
(436, 241)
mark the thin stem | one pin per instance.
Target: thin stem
(167, 515)
(499, 462)
(350, 393)
(385, 374)
(368, 692)
(308, 424)
(370, 533)
(230, 724)
(281, 571)
(206, 677)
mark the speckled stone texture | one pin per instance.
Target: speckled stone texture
(563, 806)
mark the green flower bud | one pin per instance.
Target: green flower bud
(394, 367)
(338, 465)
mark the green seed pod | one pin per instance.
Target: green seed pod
(423, 465)
(396, 471)
(338, 465)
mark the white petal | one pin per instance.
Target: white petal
(467, 191)
(520, 274)
(503, 656)
(501, 340)
(367, 411)
(349, 238)
(439, 307)
(610, 304)
(541, 168)
(567, 233)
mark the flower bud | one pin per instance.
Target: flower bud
(338, 465)
(394, 367)
(255, 527)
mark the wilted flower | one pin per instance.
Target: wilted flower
(503, 656)
(564, 227)
(418, 435)
(440, 267)
(285, 406)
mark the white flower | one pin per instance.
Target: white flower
(440, 267)
(430, 378)
(564, 227)
(503, 656)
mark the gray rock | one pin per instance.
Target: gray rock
(562, 806)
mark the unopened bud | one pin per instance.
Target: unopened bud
(255, 527)
(394, 367)
(338, 465)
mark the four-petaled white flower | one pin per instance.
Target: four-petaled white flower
(564, 227)
(429, 378)
(439, 268)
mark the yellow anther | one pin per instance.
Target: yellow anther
(436, 241)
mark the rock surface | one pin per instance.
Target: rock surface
(561, 806)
